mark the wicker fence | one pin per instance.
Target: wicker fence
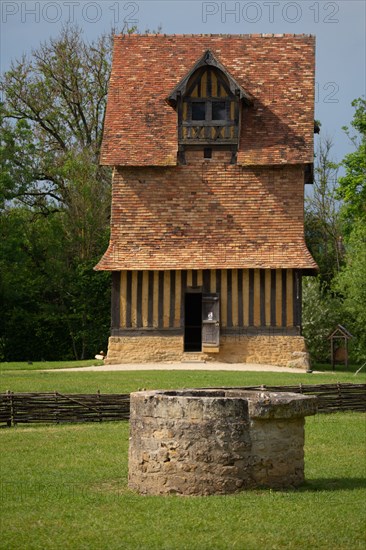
(29, 408)
(331, 397)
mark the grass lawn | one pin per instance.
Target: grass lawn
(65, 486)
(21, 377)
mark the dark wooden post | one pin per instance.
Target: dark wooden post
(10, 420)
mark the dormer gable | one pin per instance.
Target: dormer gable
(207, 60)
(209, 103)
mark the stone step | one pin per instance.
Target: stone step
(192, 357)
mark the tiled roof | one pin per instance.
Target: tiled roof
(207, 216)
(276, 70)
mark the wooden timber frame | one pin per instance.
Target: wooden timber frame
(251, 300)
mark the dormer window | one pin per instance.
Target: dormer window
(209, 110)
(209, 106)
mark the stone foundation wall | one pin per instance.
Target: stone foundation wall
(198, 442)
(274, 350)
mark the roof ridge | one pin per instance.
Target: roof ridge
(216, 35)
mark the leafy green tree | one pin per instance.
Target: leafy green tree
(321, 313)
(323, 227)
(51, 308)
(55, 199)
(352, 186)
(57, 99)
(350, 284)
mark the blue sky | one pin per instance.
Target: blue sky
(339, 27)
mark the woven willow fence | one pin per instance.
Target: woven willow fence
(29, 408)
(331, 397)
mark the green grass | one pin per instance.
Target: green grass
(351, 368)
(65, 487)
(42, 365)
(20, 377)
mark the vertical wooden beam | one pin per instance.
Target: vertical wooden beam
(123, 299)
(156, 300)
(273, 298)
(235, 304)
(129, 299)
(240, 298)
(199, 278)
(257, 289)
(161, 300)
(115, 300)
(189, 277)
(251, 297)
(208, 82)
(145, 298)
(214, 85)
(262, 293)
(278, 297)
(268, 297)
(229, 298)
(213, 280)
(183, 292)
(218, 280)
(134, 300)
(180, 115)
(139, 299)
(150, 310)
(246, 298)
(297, 291)
(172, 299)
(290, 298)
(224, 297)
(284, 298)
(206, 280)
(178, 298)
(166, 299)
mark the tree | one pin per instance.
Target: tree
(56, 197)
(321, 313)
(352, 186)
(323, 228)
(57, 99)
(350, 284)
(53, 306)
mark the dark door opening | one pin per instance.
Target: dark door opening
(193, 321)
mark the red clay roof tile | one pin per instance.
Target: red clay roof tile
(278, 71)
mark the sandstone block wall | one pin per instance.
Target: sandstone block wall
(273, 350)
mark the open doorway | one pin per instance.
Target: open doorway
(193, 321)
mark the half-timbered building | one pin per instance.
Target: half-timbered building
(211, 142)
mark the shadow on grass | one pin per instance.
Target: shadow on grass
(333, 484)
(338, 368)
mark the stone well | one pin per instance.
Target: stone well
(205, 442)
